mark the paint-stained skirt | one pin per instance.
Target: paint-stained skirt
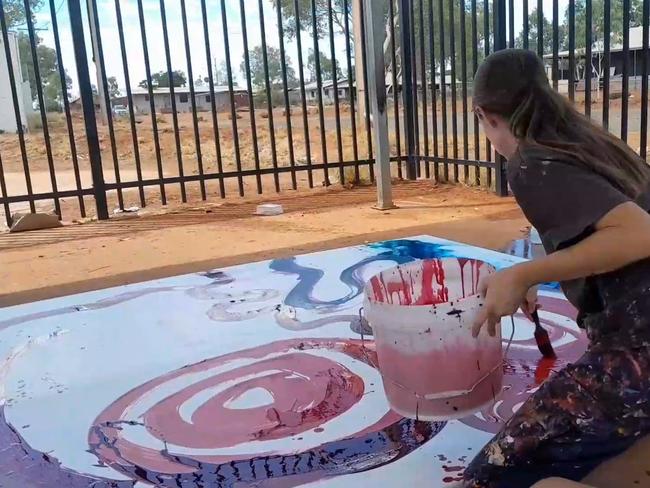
(583, 415)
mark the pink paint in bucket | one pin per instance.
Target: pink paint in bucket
(421, 314)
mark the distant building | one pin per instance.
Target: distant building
(327, 89)
(163, 101)
(617, 60)
(7, 114)
(75, 104)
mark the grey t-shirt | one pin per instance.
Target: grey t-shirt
(564, 201)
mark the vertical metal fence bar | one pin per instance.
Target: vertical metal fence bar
(423, 71)
(172, 95)
(366, 95)
(14, 98)
(251, 97)
(129, 98)
(454, 94)
(588, 72)
(3, 189)
(393, 70)
(269, 98)
(407, 87)
(556, 45)
(463, 71)
(477, 141)
(606, 61)
(231, 92)
(501, 180)
(626, 70)
(416, 87)
(213, 103)
(511, 24)
(66, 108)
(152, 105)
(540, 28)
(434, 101)
(319, 87)
(644, 83)
(572, 49)
(287, 105)
(303, 95)
(195, 120)
(486, 29)
(526, 24)
(335, 87)
(443, 89)
(88, 106)
(107, 101)
(41, 106)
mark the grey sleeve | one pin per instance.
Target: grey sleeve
(563, 201)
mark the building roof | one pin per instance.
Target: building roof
(185, 89)
(636, 43)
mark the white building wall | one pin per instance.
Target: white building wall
(7, 116)
(163, 102)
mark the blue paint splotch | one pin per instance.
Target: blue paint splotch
(399, 251)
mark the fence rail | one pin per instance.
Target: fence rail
(252, 97)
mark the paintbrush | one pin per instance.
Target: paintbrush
(541, 337)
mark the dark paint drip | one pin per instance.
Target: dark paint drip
(382, 443)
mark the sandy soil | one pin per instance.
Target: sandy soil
(83, 257)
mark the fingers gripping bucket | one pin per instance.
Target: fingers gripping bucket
(422, 314)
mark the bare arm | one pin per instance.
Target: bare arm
(622, 237)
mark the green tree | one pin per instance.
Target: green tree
(256, 56)
(113, 88)
(325, 67)
(48, 69)
(161, 79)
(322, 16)
(15, 11)
(547, 34)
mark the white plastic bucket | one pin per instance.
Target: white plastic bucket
(421, 315)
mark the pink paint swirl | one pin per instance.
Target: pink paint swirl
(193, 420)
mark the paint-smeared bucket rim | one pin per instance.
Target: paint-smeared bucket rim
(368, 292)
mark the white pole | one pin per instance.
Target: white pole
(375, 33)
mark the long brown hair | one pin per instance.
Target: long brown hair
(513, 84)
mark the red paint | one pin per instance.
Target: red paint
(544, 369)
(433, 274)
(327, 390)
(377, 289)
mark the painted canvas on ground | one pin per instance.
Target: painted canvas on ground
(254, 375)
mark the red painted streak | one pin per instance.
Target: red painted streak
(377, 289)
(433, 274)
(331, 386)
(544, 369)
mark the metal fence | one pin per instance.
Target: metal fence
(240, 98)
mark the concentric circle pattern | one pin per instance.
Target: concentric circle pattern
(291, 411)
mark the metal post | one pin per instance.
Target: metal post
(96, 59)
(407, 87)
(499, 44)
(375, 34)
(86, 93)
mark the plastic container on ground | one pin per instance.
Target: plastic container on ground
(422, 314)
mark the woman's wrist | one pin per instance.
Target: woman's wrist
(526, 274)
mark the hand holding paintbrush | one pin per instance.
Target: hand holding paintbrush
(530, 308)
